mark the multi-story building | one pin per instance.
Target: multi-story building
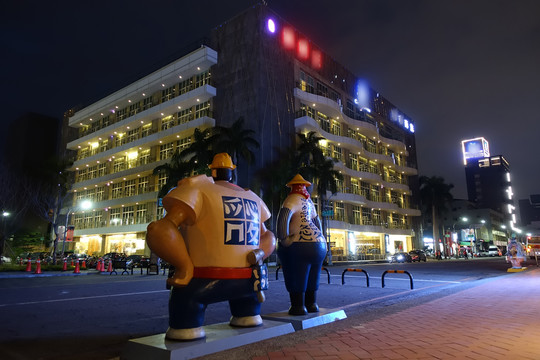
(488, 179)
(259, 67)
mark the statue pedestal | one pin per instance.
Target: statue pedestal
(219, 337)
(324, 316)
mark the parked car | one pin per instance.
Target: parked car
(494, 251)
(114, 256)
(418, 255)
(400, 257)
(134, 260)
(6, 259)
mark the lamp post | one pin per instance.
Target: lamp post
(85, 205)
(5, 214)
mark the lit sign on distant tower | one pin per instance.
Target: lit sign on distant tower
(474, 149)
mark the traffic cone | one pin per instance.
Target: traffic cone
(109, 267)
(77, 270)
(72, 262)
(29, 265)
(100, 265)
(64, 268)
(83, 265)
(38, 267)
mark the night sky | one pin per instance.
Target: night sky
(459, 68)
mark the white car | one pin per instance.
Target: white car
(494, 251)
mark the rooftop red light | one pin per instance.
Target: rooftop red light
(288, 38)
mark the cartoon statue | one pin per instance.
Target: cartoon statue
(302, 247)
(217, 252)
(515, 253)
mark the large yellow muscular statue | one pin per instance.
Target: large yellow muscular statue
(212, 234)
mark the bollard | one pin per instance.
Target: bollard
(355, 270)
(397, 272)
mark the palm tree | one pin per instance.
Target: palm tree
(176, 170)
(237, 142)
(200, 152)
(309, 149)
(273, 177)
(435, 196)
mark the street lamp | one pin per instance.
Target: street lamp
(85, 205)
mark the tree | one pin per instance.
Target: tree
(176, 170)
(48, 193)
(237, 142)
(274, 176)
(13, 203)
(435, 196)
(309, 150)
(200, 152)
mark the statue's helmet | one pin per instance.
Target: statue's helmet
(222, 161)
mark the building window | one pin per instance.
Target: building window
(144, 157)
(134, 109)
(100, 193)
(202, 79)
(121, 114)
(132, 135)
(129, 187)
(357, 214)
(116, 191)
(146, 130)
(128, 215)
(202, 109)
(102, 170)
(166, 151)
(376, 217)
(339, 211)
(162, 180)
(143, 185)
(147, 103)
(115, 217)
(167, 122)
(142, 211)
(119, 165)
(167, 94)
(184, 116)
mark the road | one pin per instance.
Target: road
(92, 316)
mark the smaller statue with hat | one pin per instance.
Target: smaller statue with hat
(302, 247)
(515, 254)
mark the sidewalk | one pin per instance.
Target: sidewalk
(497, 319)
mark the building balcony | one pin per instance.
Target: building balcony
(334, 110)
(194, 63)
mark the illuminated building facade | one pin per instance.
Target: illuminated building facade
(259, 67)
(488, 179)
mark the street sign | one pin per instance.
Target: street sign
(328, 213)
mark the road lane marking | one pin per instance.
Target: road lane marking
(83, 298)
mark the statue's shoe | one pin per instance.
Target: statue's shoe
(246, 321)
(185, 334)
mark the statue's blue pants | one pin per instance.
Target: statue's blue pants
(187, 305)
(301, 263)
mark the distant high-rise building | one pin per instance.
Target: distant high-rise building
(489, 185)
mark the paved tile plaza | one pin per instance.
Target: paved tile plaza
(497, 319)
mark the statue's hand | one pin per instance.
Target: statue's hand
(181, 278)
(287, 241)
